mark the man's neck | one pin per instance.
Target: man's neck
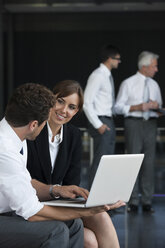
(20, 131)
(107, 65)
(143, 73)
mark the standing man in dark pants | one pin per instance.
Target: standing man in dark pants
(138, 96)
(99, 98)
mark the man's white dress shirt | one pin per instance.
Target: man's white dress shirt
(16, 191)
(98, 96)
(131, 93)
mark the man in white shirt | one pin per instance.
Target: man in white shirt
(99, 98)
(25, 116)
(138, 98)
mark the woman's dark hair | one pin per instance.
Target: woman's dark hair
(67, 88)
(29, 102)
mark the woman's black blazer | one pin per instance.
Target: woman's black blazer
(68, 162)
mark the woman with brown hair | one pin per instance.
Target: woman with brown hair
(55, 158)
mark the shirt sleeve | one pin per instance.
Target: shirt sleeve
(121, 106)
(90, 93)
(16, 187)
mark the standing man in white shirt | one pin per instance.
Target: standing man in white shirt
(26, 114)
(138, 98)
(99, 98)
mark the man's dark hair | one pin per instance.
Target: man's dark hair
(108, 51)
(29, 102)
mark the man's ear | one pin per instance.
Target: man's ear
(33, 125)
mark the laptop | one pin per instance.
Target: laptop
(114, 180)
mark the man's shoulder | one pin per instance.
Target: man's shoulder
(130, 78)
(7, 152)
(153, 81)
(96, 76)
(98, 71)
(6, 143)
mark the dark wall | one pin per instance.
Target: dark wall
(50, 48)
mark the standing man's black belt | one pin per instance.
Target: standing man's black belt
(139, 118)
(105, 116)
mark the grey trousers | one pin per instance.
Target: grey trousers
(15, 232)
(140, 137)
(104, 144)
